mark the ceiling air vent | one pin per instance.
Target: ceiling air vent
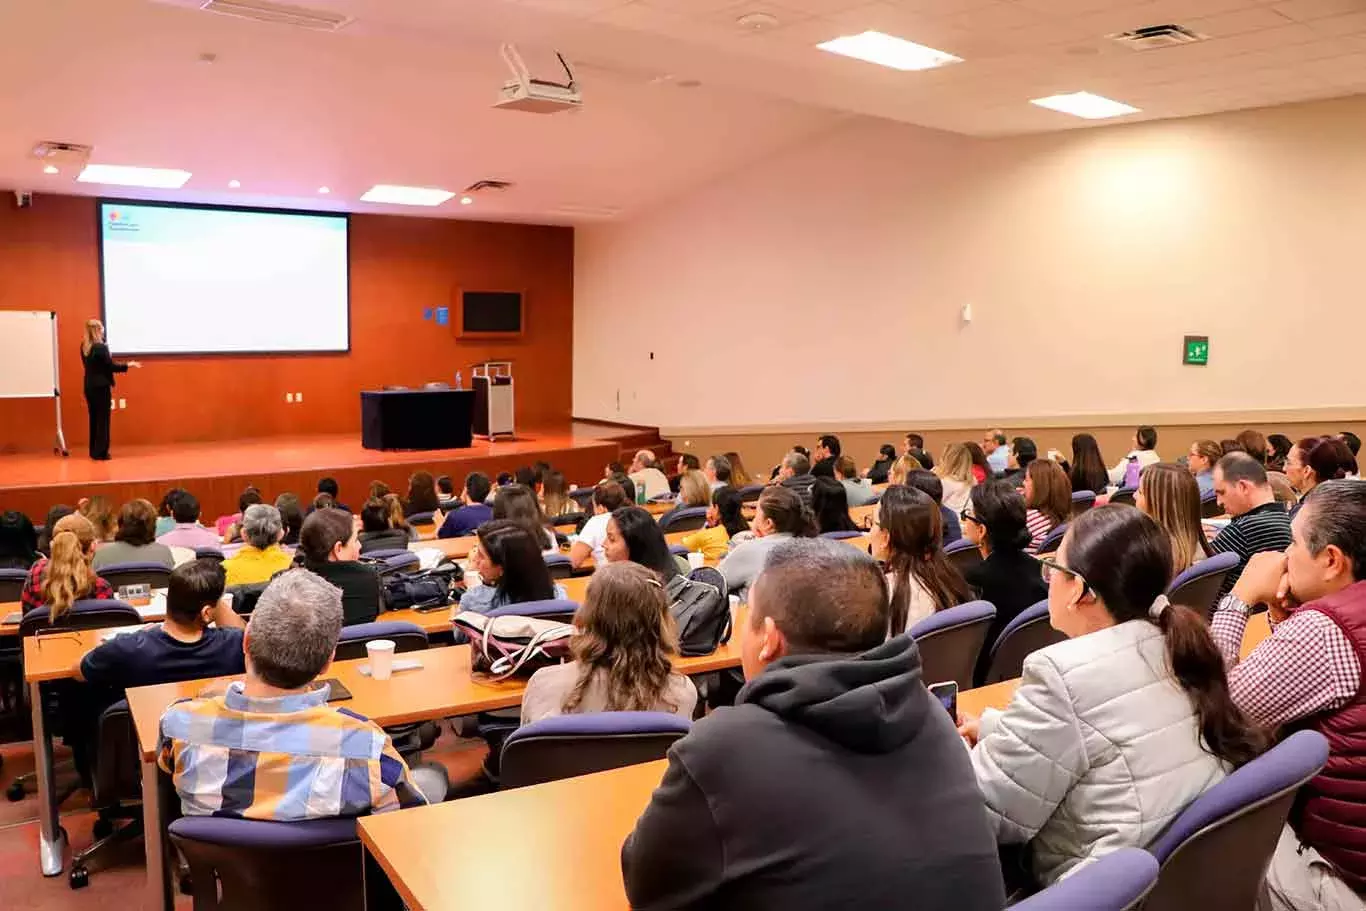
(277, 13)
(491, 185)
(56, 153)
(1156, 36)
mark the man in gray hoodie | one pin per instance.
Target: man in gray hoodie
(836, 780)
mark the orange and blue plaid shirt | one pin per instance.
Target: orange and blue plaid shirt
(282, 759)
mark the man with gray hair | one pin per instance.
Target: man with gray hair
(261, 555)
(795, 473)
(645, 473)
(271, 747)
(717, 471)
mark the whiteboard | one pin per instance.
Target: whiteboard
(28, 365)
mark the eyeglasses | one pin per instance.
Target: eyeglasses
(1049, 567)
(967, 516)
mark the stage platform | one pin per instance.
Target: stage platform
(217, 472)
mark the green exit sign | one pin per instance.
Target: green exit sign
(1197, 350)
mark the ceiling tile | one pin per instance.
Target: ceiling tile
(1304, 10)
(1351, 24)
(574, 7)
(997, 17)
(1225, 25)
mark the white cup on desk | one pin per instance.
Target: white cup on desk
(472, 578)
(381, 653)
(697, 559)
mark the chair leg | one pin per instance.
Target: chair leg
(79, 876)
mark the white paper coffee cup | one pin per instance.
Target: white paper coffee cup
(472, 578)
(697, 559)
(381, 652)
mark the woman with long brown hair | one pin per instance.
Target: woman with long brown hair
(739, 477)
(99, 385)
(907, 536)
(1048, 500)
(623, 651)
(421, 494)
(1127, 721)
(66, 577)
(1087, 470)
(1168, 493)
(100, 513)
(555, 499)
(955, 472)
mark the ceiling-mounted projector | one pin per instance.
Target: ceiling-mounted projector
(536, 96)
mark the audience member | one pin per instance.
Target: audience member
(634, 535)
(54, 515)
(1230, 445)
(322, 501)
(830, 506)
(795, 475)
(687, 462)
(693, 489)
(166, 511)
(64, 578)
(858, 491)
(1087, 470)
(955, 473)
(555, 499)
(271, 747)
(902, 468)
(1048, 500)
(1352, 440)
(520, 504)
(996, 450)
(622, 650)
(739, 477)
(1278, 446)
(914, 446)
(1308, 673)
(613, 468)
(1170, 497)
(608, 497)
(1253, 443)
(328, 486)
(135, 541)
(396, 517)
(445, 493)
(832, 704)
(472, 513)
(827, 451)
(201, 637)
(185, 529)
(1200, 462)
(928, 482)
(18, 541)
(230, 526)
(725, 520)
(331, 549)
(1007, 576)
(506, 477)
(1258, 522)
(1116, 730)
(981, 468)
(907, 538)
(645, 473)
(261, 555)
(376, 530)
(101, 515)
(1314, 460)
(779, 515)
(422, 495)
(291, 517)
(378, 490)
(510, 566)
(1141, 456)
(718, 472)
(1023, 452)
(877, 472)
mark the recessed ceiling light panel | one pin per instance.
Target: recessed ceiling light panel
(1084, 104)
(888, 50)
(406, 196)
(129, 176)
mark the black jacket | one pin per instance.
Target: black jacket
(800, 484)
(1011, 580)
(100, 367)
(825, 468)
(392, 539)
(834, 782)
(359, 584)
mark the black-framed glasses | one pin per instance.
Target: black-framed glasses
(1048, 567)
(969, 517)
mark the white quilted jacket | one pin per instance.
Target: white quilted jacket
(1099, 750)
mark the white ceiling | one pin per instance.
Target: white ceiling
(402, 94)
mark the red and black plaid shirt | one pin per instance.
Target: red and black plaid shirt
(32, 595)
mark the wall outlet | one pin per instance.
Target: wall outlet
(123, 403)
(299, 397)
(289, 397)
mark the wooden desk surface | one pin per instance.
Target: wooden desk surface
(571, 829)
(455, 548)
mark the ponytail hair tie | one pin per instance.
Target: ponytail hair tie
(1160, 604)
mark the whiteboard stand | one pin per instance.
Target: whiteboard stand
(28, 362)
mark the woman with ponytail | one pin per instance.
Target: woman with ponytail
(779, 515)
(907, 536)
(1114, 731)
(66, 577)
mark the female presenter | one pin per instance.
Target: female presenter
(99, 384)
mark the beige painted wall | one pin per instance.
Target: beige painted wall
(823, 288)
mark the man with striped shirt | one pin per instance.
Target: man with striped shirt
(1259, 522)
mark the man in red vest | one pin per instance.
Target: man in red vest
(1308, 674)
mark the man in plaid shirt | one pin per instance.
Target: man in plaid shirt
(1308, 673)
(271, 747)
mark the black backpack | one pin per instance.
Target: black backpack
(430, 588)
(702, 613)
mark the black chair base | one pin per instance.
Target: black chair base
(106, 834)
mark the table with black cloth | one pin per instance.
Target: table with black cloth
(416, 419)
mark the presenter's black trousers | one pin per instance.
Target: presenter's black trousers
(98, 400)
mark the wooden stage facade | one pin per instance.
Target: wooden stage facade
(217, 472)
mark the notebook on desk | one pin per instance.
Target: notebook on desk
(12, 619)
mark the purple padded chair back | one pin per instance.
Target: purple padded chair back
(750, 493)
(877, 497)
(1053, 540)
(1209, 506)
(1028, 632)
(272, 866)
(119, 574)
(567, 745)
(963, 554)
(559, 565)
(569, 518)
(1198, 586)
(688, 518)
(1116, 882)
(841, 535)
(12, 582)
(208, 553)
(561, 609)
(405, 561)
(386, 553)
(1082, 500)
(1216, 853)
(421, 518)
(1124, 495)
(950, 641)
(407, 637)
(88, 614)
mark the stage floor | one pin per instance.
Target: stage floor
(216, 472)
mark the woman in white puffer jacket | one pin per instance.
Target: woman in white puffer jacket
(1114, 731)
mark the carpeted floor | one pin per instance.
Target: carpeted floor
(118, 878)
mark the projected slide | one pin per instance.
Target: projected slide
(183, 280)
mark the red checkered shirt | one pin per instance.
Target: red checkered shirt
(32, 595)
(1305, 667)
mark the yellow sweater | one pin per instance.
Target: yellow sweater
(714, 543)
